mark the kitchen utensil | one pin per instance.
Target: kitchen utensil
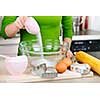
(39, 66)
(16, 65)
(50, 73)
(32, 26)
(80, 68)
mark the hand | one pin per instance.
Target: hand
(20, 21)
(69, 54)
(66, 50)
(13, 28)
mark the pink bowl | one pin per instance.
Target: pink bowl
(32, 26)
(16, 65)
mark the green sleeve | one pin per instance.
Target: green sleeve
(6, 20)
(67, 26)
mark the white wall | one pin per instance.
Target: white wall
(94, 23)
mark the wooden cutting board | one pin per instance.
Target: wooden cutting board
(30, 78)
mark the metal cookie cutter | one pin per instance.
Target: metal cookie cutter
(50, 73)
(80, 68)
(39, 66)
(38, 70)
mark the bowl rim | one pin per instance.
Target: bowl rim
(47, 53)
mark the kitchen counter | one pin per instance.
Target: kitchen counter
(88, 32)
(27, 78)
(93, 79)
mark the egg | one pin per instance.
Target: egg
(61, 67)
(67, 61)
(63, 64)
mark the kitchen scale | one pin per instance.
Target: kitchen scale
(86, 43)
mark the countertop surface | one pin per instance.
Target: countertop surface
(88, 32)
(32, 79)
(65, 79)
(93, 79)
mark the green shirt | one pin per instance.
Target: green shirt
(49, 26)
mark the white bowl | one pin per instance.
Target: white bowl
(3, 69)
(16, 65)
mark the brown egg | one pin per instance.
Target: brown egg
(67, 61)
(63, 64)
(61, 67)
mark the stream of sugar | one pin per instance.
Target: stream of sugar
(40, 44)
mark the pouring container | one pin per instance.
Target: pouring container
(32, 26)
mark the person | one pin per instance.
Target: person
(50, 27)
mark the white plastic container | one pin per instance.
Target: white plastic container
(16, 65)
(32, 26)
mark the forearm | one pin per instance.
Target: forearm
(11, 30)
(68, 40)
